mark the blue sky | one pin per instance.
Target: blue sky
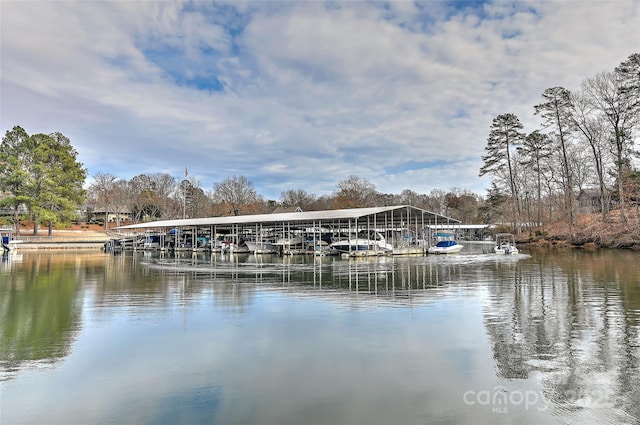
(297, 94)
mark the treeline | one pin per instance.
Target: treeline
(585, 144)
(41, 180)
(160, 196)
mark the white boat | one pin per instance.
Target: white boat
(290, 241)
(12, 244)
(8, 242)
(445, 245)
(231, 243)
(505, 244)
(320, 248)
(290, 244)
(363, 245)
(261, 247)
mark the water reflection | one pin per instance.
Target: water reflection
(263, 339)
(398, 279)
(570, 320)
(40, 311)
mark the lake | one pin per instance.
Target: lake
(544, 337)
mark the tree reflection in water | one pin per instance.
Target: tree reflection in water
(40, 312)
(570, 320)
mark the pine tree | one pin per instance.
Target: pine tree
(505, 135)
(536, 150)
(42, 172)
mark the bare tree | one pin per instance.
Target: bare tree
(614, 95)
(462, 205)
(323, 202)
(591, 127)
(152, 196)
(410, 197)
(297, 198)
(200, 201)
(237, 193)
(556, 111)
(436, 203)
(193, 201)
(121, 199)
(355, 192)
(102, 190)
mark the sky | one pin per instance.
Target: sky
(297, 94)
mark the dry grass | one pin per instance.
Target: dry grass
(614, 232)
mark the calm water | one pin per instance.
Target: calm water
(92, 338)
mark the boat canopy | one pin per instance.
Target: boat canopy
(399, 216)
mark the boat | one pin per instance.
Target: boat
(122, 243)
(505, 244)
(290, 244)
(290, 241)
(445, 244)
(319, 243)
(234, 245)
(7, 239)
(152, 241)
(261, 247)
(363, 244)
(12, 244)
(320, 248)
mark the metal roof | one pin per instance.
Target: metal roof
(305, 217)
(462, 226)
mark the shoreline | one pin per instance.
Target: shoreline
(65, 239)
(590, 231)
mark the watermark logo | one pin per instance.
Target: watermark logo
(499, 399)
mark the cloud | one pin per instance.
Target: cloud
(297, 95)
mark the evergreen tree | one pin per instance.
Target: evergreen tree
(628, 72)
(55, 184)
(506, 134)
(51, 177)
(14, 152)
(535, 150)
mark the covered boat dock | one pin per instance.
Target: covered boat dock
(408, 229)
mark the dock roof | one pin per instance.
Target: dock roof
(394, 215)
